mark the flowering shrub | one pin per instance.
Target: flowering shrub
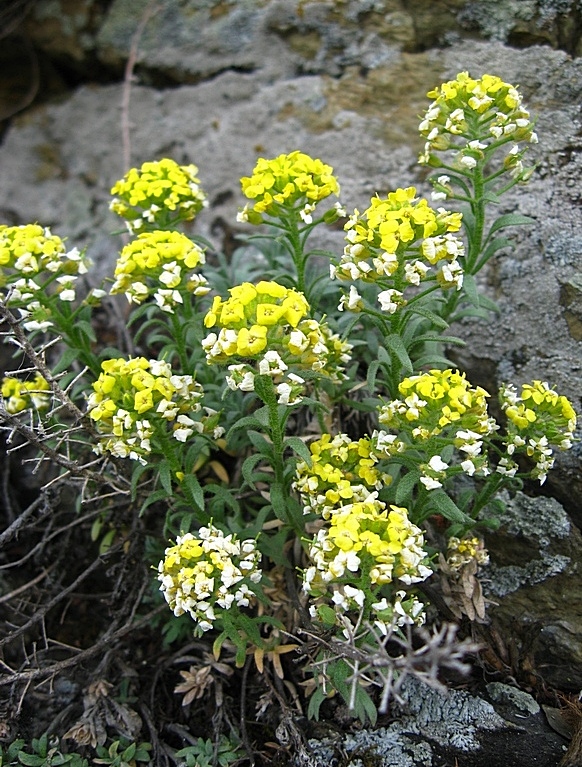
(277, 473)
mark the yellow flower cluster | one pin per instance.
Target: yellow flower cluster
(433, 401)
(400, 238)
(31, 258)
(341, 471)
(158, 195)
(160, 263)
(440, 403)
(463, 551)
(364, 547)
(133, 398)
(264, 328)
(23, 395)
(289, 181)
(470, 115)
(539, 419)
(209, 572)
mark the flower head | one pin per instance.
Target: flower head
(289, 181)
(538, 420)
(431, 402)
(134, 398)
(364, 547)
(23, 395)
(162, 264)
(158, 195)
(342, 471)
(396, 242)
(207, 573)
(465, 551)
(31, 259)
(267, 327)
(469, 116)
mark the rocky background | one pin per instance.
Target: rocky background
(221, 82)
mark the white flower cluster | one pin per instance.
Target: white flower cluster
(208, 571)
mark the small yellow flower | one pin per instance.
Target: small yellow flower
(23, 395)
(288, 181)
(203, 574)
(158, 195)
(379, 241)
(133, 398)
(470, 115)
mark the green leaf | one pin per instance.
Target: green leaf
(278, 502)
(364, 707)
(372, 374)
(396, 346)
(138, 470)
(86, 329)
(492, 247)
(193, 490)
(157, 495)
(255, 421)
(406, 485)
(261, 445)
(315, 702)
(299, 447)
(129, 752)
(66, 359)
(444, 504)
(509, 219)
(435, 319)
(165, 475)
(489, 304)
(470, 288)
(31, 760)
(248, 469)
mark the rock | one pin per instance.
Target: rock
(513, 697)
(535, 583)
(431, 727)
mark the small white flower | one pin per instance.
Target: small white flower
(468, 162)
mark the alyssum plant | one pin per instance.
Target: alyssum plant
(252, 380)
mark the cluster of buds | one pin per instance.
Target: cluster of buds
(538, 421)
(438, 408)
(19, 395)
(206, 573)
(472, 117)
(160, 263)
(158, 195)
(133, 399)
(364, 547)
(265, 329)
(33, 264)
(288, 182)
(340, 471)
(395, 244)
(464, 551)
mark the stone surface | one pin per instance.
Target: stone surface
(535, 583)
(432, 728)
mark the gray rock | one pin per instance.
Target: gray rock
(514, 697)
(426, 718)
(535, 583)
